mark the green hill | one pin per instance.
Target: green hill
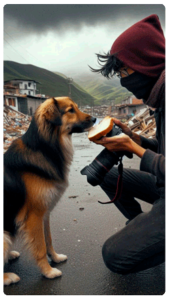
(102, 89)
(51, 84)
(86, 89)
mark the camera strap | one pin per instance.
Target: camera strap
(119, 184)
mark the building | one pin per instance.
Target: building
(25, 86)
(30, 105)
(128, 108)
(9, 88)
(23, 103)
(21, 95)
(12, 96)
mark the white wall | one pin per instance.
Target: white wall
(27, 87)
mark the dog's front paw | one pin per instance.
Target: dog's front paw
(13, 255)
(57, 258)
(53, 273)
(10, 278)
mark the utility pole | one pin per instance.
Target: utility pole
(92, 106)
(113, 106)
(69, 80)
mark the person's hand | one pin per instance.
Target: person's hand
(116, 143)
(121, 142)
(123, 126)
(134, 136)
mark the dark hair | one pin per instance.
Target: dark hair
(110, 64)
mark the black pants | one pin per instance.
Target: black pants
(140, 244)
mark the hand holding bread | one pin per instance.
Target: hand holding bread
(121, 142)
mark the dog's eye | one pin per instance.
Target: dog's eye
(71, 110)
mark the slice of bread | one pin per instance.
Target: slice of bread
(101, 129)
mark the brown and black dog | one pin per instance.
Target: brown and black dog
(36, 175)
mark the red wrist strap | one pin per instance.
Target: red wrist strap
(119, 184)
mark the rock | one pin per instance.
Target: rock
(15, 125)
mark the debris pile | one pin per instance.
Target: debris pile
(15, 124)
(100, 111)
(143, 123)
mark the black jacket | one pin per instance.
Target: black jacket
(153, 160)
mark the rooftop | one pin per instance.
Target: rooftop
(15, 95)
(21, 79)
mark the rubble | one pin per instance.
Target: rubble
(143, 123)
(15, 124)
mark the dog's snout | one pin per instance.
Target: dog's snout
(93, 119)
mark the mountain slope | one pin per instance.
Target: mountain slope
(102, 89)
(50, 83)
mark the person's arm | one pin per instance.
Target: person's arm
(151, 144)
(154, 163)
(137, 149)
(150, 161)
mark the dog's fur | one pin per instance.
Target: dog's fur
(36, 175)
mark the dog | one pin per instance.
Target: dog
(36, 168)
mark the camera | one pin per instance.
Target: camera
(102, 164)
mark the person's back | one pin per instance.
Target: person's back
(138, 57)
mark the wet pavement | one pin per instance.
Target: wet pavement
(80, 226)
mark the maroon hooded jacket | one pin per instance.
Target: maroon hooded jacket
(142, 48)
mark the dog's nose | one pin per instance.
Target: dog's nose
(93, 119)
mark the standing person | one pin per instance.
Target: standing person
(137, 57)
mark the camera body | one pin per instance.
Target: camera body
(116, 130)
(102, 164)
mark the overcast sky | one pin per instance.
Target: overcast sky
(64, 38)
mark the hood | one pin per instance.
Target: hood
(142, 47)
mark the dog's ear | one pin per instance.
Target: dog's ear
(58, 120)
(53, 114)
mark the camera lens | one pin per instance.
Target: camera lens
(101, 165)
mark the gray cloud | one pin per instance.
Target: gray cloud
(65, 38)
(39, 18)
